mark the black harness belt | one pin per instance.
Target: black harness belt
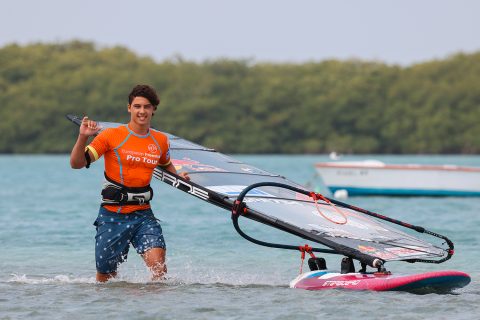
(116, 194)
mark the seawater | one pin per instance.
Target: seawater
(47, 268)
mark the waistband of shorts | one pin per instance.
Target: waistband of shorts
(144, 212)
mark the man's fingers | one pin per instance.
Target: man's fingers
(92, 124)
(90, 127)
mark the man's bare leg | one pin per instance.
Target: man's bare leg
(104, 277)
(155, 260)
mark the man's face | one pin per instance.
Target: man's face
(141, 111)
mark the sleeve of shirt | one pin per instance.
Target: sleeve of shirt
(165, 158)
(100, 144)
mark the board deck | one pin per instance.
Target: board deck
(429, 282)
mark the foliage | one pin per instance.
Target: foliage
(237, 106)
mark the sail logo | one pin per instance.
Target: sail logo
(407, 251)
(194, 165)
(180, 184)
(341, 283)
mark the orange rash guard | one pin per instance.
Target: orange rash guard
(130, 158)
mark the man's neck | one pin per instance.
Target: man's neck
(139, 129)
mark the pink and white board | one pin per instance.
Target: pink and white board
(435, 281)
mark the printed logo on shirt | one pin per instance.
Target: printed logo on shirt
(141, 157)
(152, 148)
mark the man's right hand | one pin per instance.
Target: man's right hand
(89, 127)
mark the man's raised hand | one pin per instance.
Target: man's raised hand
(89, 127)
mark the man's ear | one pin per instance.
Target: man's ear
(128, 107)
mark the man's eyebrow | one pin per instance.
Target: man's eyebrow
(139, 104)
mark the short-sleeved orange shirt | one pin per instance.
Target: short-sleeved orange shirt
(130, 158)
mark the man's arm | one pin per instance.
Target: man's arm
(77, 157)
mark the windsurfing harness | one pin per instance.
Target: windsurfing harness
(114, 193)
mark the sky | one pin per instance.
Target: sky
(401, 32)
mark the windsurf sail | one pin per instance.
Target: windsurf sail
(276, 201)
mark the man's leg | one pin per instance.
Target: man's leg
(149, 242)
(155, 260)
(111, 243)
(104, 277)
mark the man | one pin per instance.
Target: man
(131, 153)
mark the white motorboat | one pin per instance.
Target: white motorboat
(372, 177)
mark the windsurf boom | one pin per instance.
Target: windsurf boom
(274, 200)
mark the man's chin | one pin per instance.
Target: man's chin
(143, 122)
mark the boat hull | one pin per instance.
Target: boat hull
(376, 178)
(429, 282)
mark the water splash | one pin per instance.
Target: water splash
(58, 279)
(189, 273)
(184, 275)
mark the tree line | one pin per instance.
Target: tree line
(240, 106)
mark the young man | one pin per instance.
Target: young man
(131, 153)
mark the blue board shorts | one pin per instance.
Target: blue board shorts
(115, 232)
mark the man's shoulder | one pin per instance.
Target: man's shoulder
(158, 135)
(114, 131)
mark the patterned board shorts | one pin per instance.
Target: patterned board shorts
(115, 232)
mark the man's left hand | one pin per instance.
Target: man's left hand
(184, 175)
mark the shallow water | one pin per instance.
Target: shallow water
(47, 248)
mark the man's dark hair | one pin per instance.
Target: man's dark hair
(143, 90)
